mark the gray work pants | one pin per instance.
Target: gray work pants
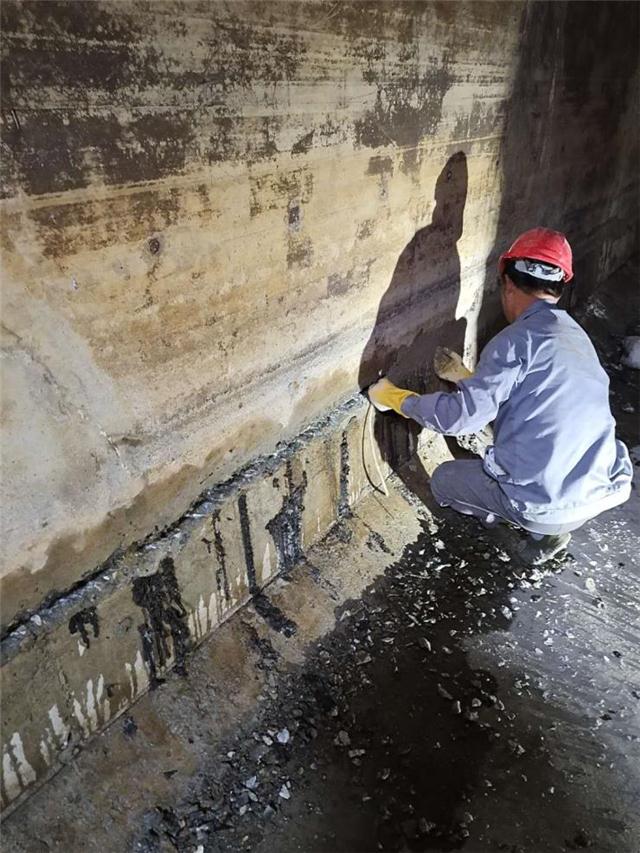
(464, 486)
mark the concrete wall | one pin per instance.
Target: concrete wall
(220, 219)
(204, 206)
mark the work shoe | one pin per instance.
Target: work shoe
(539, 551)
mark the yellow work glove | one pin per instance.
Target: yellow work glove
(448, 365)
(385, 395)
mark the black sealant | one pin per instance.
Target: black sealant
(270, 612)
(158, 595)
(245, 529)
(286, 527)
(81, 620)
(344, 509)
(222, 578)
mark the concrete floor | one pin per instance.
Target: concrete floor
(481, 712)
(424, 691)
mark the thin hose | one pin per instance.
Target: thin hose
(367, 428)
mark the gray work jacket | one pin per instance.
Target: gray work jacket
(555, 454)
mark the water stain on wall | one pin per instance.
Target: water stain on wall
(245, 532)
(406, 111)
(275, 190)
(69, 228)
(304, 144)
(299, 252)
(104, 62)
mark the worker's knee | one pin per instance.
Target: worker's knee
(440, 483)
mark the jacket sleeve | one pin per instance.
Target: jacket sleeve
(476, 401)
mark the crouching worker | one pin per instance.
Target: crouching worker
(555, 462)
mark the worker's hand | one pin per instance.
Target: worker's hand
(385, 396)
(449, 366)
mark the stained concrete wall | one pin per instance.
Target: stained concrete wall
(218, 221)
(204, 205)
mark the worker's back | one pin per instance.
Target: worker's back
(556, 455)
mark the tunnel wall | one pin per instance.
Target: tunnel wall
(215, 218)
(204, 206)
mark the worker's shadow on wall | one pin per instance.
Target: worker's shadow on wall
(415, 316)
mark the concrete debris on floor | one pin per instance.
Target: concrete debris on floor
(441, 696)
(493, 706)
(631, 357)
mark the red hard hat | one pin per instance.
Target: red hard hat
(541, 244)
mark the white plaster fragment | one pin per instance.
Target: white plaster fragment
(213, 609)
(102, 701)
(99, 690)
(92, 714)
(10, 781)
(193, 627)
(44, 752)
(132, 686)
(142, 677)
(266, 563)
(25, 770)
(60, 729)
(203, 617)
(80, 717)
